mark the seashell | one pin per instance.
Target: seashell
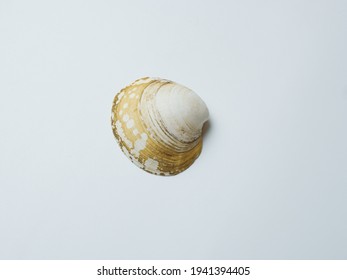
(158, 125)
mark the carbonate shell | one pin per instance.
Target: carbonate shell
(158, 125)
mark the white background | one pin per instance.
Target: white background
(271, 181)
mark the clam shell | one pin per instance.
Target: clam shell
(158, 125)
